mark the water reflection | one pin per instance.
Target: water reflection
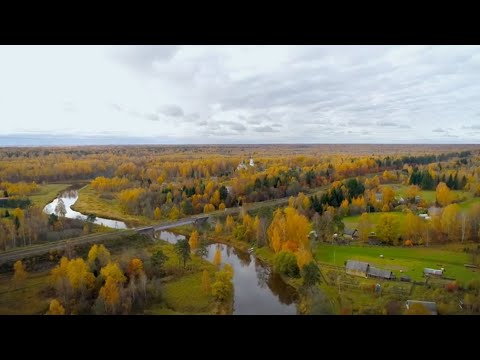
(257, 289)
(69, 198)
(168, 236)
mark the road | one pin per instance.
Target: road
(25, 252)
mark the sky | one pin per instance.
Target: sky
(239, 94)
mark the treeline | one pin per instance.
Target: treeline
(425, 180)
(427, 159)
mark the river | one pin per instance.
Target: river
(258, 290)
(69, 198)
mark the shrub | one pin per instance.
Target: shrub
(451, 286)
(285, 263)
(473, 285)
(408, 243)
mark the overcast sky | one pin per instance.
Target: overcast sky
(242, 94)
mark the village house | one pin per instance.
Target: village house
(363, 269)
(350, 234)
(434, 211)
(357, 268)
(433, 272)
(429, 305)
(243, 164)
(380, 273)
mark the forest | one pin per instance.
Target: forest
(292, 208)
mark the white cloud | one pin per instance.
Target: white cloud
(238, 93)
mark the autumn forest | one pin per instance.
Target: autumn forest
(195, 229)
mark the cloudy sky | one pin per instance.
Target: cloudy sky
(241, 94)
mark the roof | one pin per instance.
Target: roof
(381, 273)
(430, 305)
(357, 265)
(350, 232)
(432, 271)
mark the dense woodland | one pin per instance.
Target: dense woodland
(169, 182)
(388, 189)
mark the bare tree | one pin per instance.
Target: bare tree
(60, 209)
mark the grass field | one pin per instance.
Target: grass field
(47, 193)
(465, 205)
(351, 222)
(90, 202)
(27, 299)
(411, 260)
(183, 293)
(428, 195)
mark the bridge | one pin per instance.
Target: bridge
(40, 249)
(25, 252)
(35, 250)
(150, 230)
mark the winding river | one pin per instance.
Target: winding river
(258, 290)
(69, 198)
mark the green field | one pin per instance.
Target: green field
(465, 205)
(89, 202)
(47, 193)
(28, 299)
(411, 260)
(351, 222)
(428, 195)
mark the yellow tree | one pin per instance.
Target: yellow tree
(98, 256)
(217, 258)
(443, 194)
(275, 241)
(215, 200)
(364, 227)
(411, 192)
(388, 194)
(60, 279)
(344, 207)
(174, 213)
(206, 287)
(221, 206)
(218, 228)
(412, 226)
(229, 223)
(358, 204)
(194, 240)
(386, 228)
(20, 274)
(79, 275)
(157, 214)
(135, 267)
(110, 294)
(113, 271)
(451, 222)
(222, 288)
(297, 228)
(250, 230)
(55, 308)
(256, 227)
(304, 256)
(290, 229)
(208, 208)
